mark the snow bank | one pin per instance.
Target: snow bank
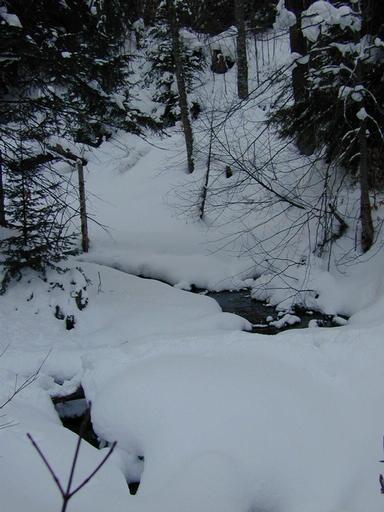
(27, 484)
(237, 423)
(359, 287)
(121, 309)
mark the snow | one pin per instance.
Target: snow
(285, 320)
(122, 310)
(250, 424)
(118, 303)
(284, 19)
(322, 15)
(358, 287)
(362, 114)
(10, 19)
(225, 420)
(26, 482)
(148, 235)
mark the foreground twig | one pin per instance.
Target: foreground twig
(381, 478)
(67, 491)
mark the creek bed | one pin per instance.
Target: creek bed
(265, 319)
(74, 411)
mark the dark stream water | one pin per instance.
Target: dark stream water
(264, 317)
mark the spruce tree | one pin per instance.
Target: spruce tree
(343, 104)
(64, 78)
(36, 222)
(160, 74)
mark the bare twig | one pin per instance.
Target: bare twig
(66, 491)
(26, 382)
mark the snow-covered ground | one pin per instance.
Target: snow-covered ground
(148, 234)
(226, 420)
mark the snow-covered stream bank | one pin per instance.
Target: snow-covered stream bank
(226, 420)
(263, 317)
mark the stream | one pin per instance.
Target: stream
(265, 319)
(73, 409)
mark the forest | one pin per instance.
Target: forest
(191, 276)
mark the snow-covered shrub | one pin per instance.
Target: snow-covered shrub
(345, 63)
(58, 292)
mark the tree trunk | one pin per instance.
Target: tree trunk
(367, 231)
(305, 141)
(181, 87)
(365, 204)
(241, 46)
(204, 192)
(25, 194)
(298, 45)
(83, 208)
(2, 196)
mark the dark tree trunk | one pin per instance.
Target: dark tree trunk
(204, 192)
(241, 45)
(2, 197)
(298, 44)
(367, 231)
(181, 87)
(83, 208)
(25, 199)
(306, 140)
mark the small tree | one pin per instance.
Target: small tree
(37, 222)
(174, 57)
(69, 489)
(160, 75)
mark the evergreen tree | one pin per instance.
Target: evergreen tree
(161, 73)
(215, 16)
(63, 77)
(36, 218)
(67, 60)
(298, 46)
(343, 104)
